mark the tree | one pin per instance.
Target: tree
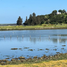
(62, 11)
(34, 15)
(34, 19)
(26, 18)
(26, 21)
(54, 12)
(19, 21)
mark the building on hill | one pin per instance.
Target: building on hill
(58, 12)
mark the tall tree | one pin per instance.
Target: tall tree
(19, 21)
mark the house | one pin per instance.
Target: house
(58, 12)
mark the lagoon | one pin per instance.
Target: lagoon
(30, 43)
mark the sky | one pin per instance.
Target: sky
(10, 10)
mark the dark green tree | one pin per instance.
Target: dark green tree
(26, 21)
(34, 15)
(38, 20)
(62, 11)
(54, 12)
(19, 21)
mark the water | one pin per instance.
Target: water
(30, 43)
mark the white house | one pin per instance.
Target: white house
(58, 12)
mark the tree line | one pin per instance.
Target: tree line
(55, 17)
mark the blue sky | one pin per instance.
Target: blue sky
(10, 10)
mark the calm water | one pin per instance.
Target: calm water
(29, 43)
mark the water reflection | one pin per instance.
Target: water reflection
(59, 40)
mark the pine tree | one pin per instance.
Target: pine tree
(19, 21)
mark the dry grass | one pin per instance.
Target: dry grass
(58, 63)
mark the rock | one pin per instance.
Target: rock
(28, 59)
(16, 58)
(7, 62)
(13, 60)
(47, 58)
(21, 60)
(2, 63)
(21, 57)
(39, 58)
(35, 57)
(43, 57)
(4, 60)
(18, 61)
(65, 53)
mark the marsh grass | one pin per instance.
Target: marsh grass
(43, 26)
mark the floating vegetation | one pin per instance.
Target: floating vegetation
(14, 48)
(55, 46)
(57, 52)
(20, 49)
(55, 49)
(27, 55)
(40, 49)
(26, 47)
(47, 49)
(63, 45)
(7, 58)
(30, 50)
(62, 48)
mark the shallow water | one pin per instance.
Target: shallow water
(29, 43)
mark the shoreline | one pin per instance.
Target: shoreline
(33, 29)
(36, 27)
(35, 59)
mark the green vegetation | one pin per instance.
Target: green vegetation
(19, 21)
(53, 18)
(35, 27)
